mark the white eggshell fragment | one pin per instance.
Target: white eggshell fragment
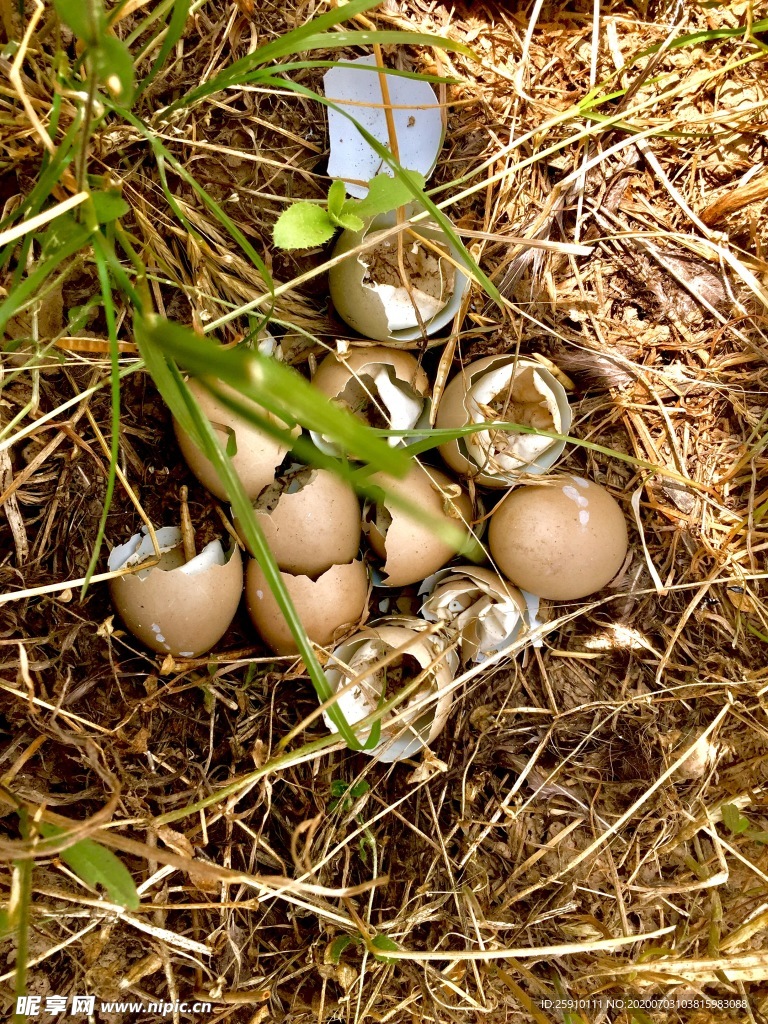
(562, 541)
(409, 727)
(416, 114)
(383, 387)
(327, 606)
(176, 607)
(487, 612)
(311, 520)
(368, 291)
(503, 388)
(258, 455)
(410, 549)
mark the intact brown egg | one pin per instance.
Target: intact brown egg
(311, 520)
(258, 455)
(177, 607)
(327, 605)
(410, 549)
(562, 541)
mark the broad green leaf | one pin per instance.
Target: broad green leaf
(386, 193)
(114, 68)
(384, 942)
(96, 865)
(337, 195)
(303, 225)
(87, 20)
(108, 206)
(349, 222)
(733, 819)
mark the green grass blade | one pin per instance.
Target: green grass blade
(186, 410)
(173, 33)
(278, 388)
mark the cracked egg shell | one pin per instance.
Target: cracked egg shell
(412, 725)
(258, 455)
(563, 541)
(410, 549)
(486, 611)
(326, 605)
(177, 607)
(383, 387)
(311, 520)
(532, 395)
(367, 291)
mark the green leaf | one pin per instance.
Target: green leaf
(359, 789)
(733, 819)
(96, 865)
(109, 206)
(114, 68)
(337, 195)
(86, 20)
(302, 226)
(384, 942)
(337, 947)
(757, 837)
(386, 193)
(349, 222)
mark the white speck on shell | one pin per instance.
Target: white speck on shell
(573, 494)
(260, 594)
(581, 481)
(583, 516)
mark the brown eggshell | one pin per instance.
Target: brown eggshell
(313, 528)
(336, 599)
(258, 455)
(411, 550)
(335, 372)
(561, 542)
(175, 610)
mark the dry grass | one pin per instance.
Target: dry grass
(566, 836)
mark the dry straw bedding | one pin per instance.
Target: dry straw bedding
(558, 821)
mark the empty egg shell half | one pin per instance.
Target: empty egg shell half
(410, 549)
(176, 607)
(311, 520)
(562, 541)
(503, 388)
(487, 611)
(258, 455)
(327, 606)
(383, 387)
(407, 728)
(368, 290)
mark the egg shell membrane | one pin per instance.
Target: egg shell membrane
(362, 305)
(312, 528)
(397, 728)
(410, 550)
(454, 411)
(562, 542)
(335, 371)
(181, 610)
(483, 601)
(325, 606)
(258, 456)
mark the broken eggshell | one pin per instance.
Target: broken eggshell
(487, 611)
(412, 725)
(326, 605)
(503, 388)
(176, 607)
(410, 549)
(258, 455)
(310, 518)
(368, 291)
(383, 387)
(415, 112)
